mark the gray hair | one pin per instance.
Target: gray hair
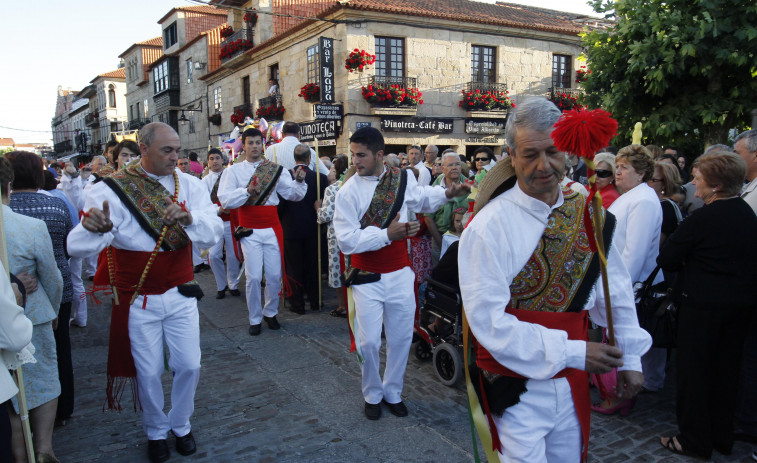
(609, 158)
(434, 149)
(534, 113)
(750, 139)
(302, 153)
(450, 154)
(722, 147)
(392, 160)
(415, 147)
(100, 157)
(147, 133)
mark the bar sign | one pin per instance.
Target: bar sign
(326, 48)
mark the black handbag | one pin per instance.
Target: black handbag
(657, 311)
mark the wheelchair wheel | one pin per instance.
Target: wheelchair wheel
(448, 364)
(423, 351)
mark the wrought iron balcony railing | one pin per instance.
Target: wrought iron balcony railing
(388, 81)
(92, 119)
(486, 86)
(246, 109)
(135, 124)
(576, 92)
(229, 50)
(273, 100)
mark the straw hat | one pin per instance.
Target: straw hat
(499, 179)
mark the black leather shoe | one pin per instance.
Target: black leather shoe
(254, 330)
(157, 450)
(372, 411)
(273, 324)
(398, 409)
(234, 292)
(221, 294)
(185, 445)
(298, 310)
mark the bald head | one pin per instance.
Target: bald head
(160, 147)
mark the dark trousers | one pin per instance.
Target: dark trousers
(710, 344)
(746, 412)
(301, 260)
(6, 452)
(65, 364)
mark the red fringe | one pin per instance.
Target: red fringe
(115, 390)
(584, 132)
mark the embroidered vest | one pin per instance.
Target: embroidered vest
(387, 199)
(267, 174)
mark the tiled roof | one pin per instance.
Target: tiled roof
(153, 42)
(195, 9)
(505, 14)
(7, 142)
(119, 73)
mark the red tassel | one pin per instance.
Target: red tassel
(584, 132)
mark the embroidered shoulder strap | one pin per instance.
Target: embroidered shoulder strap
(387, 199)
(214, 190)
(267, 174)
(147, 199)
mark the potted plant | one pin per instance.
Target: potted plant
(394, 95)
(358, 60)
(582, 74)
(565, 102)
(226, 31)
(486, 100)
(231, 48)
(251, 18)
(310, 92)
(271, 112)
(215, 119)
(238, 117)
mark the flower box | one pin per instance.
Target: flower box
(229, 49)
(358, 60)
(392, 95)
(271, 112)
(310, 92)
(486, 100)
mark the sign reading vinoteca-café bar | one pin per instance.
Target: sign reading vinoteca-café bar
(416, 124)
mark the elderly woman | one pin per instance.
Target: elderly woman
(605, 170)
(30, 250)
(125, 152)
(715, 251)
(666, 182)
(637, 235)
(26, 200)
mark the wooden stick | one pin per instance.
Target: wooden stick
(318, 196)
(596, 202)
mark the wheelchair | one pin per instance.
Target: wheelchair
(439, 331)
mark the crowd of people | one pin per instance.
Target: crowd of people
(142, 219)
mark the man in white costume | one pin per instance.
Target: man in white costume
(149, 249)
(528, 278)
(282, 153)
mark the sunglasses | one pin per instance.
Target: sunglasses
(482, 159)
(601, 173)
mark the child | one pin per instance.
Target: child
(455, 230)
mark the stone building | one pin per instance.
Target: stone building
(61, 125)
(439, 47)
(137, 61)
(107, 107)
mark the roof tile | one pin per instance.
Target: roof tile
(119, 73)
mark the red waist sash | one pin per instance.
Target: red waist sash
(225, 216)
(170, 269)
(385, 260)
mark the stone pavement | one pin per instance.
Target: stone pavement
(293, 395)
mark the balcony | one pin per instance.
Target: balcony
(63, 147)
(136, 124)
(92, 119)
(485, 99)
(486, 86)
(241, 112)
(235, 45)
(273, 100)
(574, 92)
(565, 98)
(382, 95)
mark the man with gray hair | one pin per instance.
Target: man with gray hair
(528, 282)
(746, 147)
(392, 160)
(415, 158)
(439, 222)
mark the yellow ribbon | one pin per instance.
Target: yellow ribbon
(353, 324)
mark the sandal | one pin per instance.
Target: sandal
(338, 312)
(671, 445)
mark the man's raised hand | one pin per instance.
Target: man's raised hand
(98, 220)
(176, 213)
(457, 189)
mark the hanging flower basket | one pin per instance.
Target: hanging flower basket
(310, 92)
(271, 112)
(566, 102)
(238, 116)
(394, 95)
(251, 18)
(215, 119)
(358, 60)
(486, 100)
(226, 31)
(231, 48)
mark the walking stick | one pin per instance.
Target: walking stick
(18, 374)
(318, 196)
(584, 133)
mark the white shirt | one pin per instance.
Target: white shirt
(353, 199)
(210, 181)
(637, 233)
(73, 188)
(204, 231)
(575, 186)
(424, 175)
(494, 248)
(750, 195)
(285, 155)
(232, 192)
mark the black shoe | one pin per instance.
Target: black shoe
(185, 445)
(157, 450)
(398, 409)
(234, 292)
(315, 307)
(198, 268)
(221, 294)
(298, 310)
(254, 330)
(372, 411)
(273, 324)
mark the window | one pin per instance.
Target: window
(314, 59)
(390, 57)
(137, 114)
(561, 71)
(169, 36)
(160, 76)
(190, 71)
(192, 123)
(246, 97)
(274, 72)
(483, 64)
(111, 96)
(144, 105)
(131, 112)
(217, 103)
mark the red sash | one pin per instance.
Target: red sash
(225, 216)
(260, 217)
(576, 324)
(385, 260)
(170, 269)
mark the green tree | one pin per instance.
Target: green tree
(684, 68)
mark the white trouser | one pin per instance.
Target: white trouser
(90, 264)
(261, 250)
(79, 304)
(228, 275)
(175, 319)
(543, 426)
(653, 366)
(391, 299)
(196, 257)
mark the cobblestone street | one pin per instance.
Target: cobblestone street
(294, 396)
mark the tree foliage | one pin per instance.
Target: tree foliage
(685, 68)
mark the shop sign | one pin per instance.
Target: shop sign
(485, 126)
(328, 112)
(416, 124)
(487, 140)
(326, 47)
(360, 125)
(321, 130)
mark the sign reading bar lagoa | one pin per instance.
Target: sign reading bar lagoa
(326, 48)
(416, 124)
(485, 126)
(321, 130)
(328, 112)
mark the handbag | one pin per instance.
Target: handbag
(657, 311)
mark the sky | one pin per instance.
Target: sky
(47, 43)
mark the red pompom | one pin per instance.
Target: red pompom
(584, 132)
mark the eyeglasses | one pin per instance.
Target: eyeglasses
(482, 159)
(655, 180)
(601, 173)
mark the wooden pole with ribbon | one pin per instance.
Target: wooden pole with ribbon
(18, 374)
(318, 197)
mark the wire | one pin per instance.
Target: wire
(314, 18)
